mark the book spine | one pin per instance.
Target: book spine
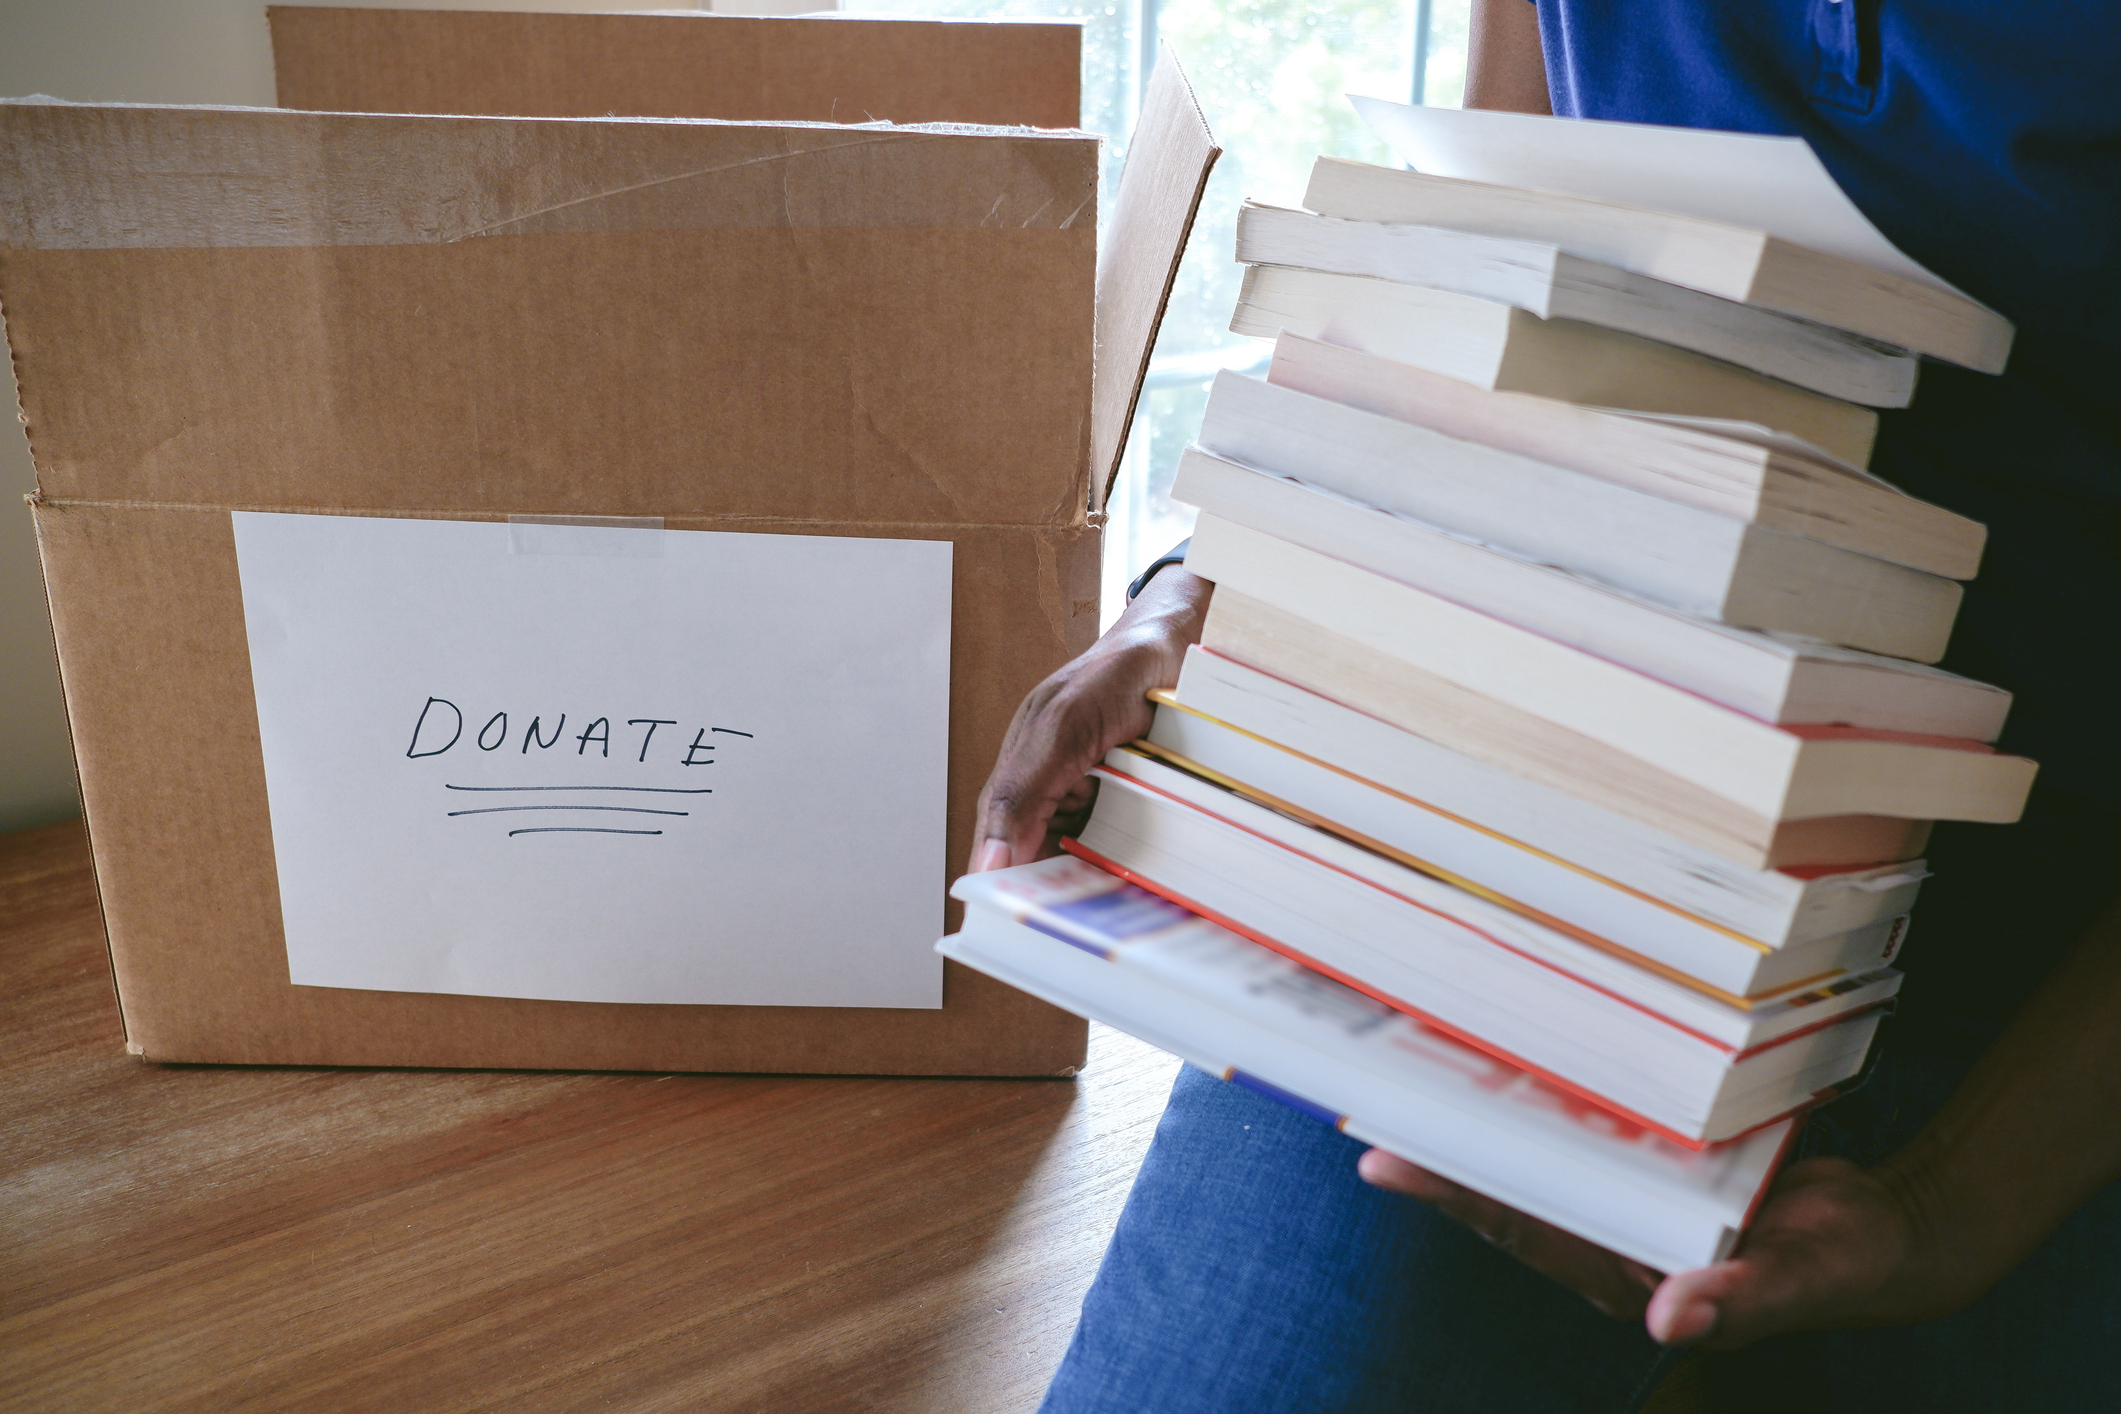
(1296, 1102)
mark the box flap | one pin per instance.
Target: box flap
(252, 307)
(145, 177)
(833, 69)
(1159, 194)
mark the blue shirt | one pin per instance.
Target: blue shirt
(1984, 140)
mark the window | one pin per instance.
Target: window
(1271, 75)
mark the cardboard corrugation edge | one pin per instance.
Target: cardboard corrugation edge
(35, 502)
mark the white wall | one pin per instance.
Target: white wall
(140, 51)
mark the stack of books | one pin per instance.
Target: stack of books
(1546, 798)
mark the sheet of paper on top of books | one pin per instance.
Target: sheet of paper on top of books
(1773, 184)
(602, 764)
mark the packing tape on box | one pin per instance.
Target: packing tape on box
(586, 535)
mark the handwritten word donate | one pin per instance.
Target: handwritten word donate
(442, 726)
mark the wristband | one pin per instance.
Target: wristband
(1176, 555)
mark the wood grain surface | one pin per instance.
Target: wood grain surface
(223, 1239)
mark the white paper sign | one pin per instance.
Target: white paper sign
(1773, 184)
(599, 764)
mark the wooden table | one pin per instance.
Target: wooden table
(220, 1239)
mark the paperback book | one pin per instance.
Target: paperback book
(1082, 939)
(1547, 281)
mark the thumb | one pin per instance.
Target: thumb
(1687, 1307)
(1828, 1242)
(1780, 1282)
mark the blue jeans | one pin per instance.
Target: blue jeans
(1252, 1272)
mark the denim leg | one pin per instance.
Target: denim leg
(1252, 1271)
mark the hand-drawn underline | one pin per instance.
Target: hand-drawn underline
(657, 790)
(577, 830)
(581, 829)
(619, 809)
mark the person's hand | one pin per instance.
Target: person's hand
(1040, 786)
(1834, 1245)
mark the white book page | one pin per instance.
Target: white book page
(1753, 434)
(744, 803)
(1773, 184)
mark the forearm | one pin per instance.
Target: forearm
(1505, 68)
(1166, 616)
(2033, 1131)
(1143, 649)
(1066, 725)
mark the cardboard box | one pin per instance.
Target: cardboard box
(469, 318)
